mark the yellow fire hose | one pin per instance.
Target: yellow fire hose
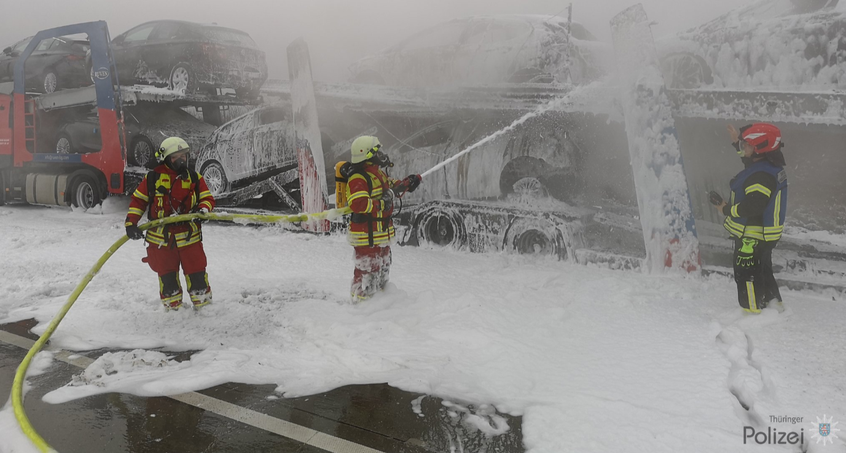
(20, 375)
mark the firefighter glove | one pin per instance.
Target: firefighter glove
(387, 200)
(746, 253)
(133, 232)
(413, 182)
(715, 198)
(200, 220)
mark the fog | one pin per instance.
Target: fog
(339, 32)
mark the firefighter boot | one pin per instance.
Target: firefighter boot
(170, 291)
(385, 268)
(363, 287)
(199, 289)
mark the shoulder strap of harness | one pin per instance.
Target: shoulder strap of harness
(153, 178)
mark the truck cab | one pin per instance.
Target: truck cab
(81, 180)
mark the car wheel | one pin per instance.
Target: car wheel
(63, 144)
(85, 192)
(685, 71)
(522, 178)
(141, 152)
(182, 79)
(529, 188)
(215, 178)
(49, 82)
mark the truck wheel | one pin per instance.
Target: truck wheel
(85, 192)
(215, 178)
(141, 153)
(534, 236)
(2, 189)
(63, 144)
(441, 227)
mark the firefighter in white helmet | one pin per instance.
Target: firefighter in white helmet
(173, 189)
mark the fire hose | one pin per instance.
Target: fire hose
(20, 374)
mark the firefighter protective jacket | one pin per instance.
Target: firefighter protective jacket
(370, 224)
(758, 202)
(172, 194)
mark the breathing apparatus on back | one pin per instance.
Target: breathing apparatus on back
(367, 149)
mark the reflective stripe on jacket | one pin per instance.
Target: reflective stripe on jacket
(172, 195)
(370, 225)
(769, 225)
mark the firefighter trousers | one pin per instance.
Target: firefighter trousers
(166, 261)
(372, 270)
(753, 273)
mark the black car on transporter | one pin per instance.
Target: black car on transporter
(190, 57)
(55, 63)
(146, 127)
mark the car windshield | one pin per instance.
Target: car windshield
(21, 45)
(222, 35)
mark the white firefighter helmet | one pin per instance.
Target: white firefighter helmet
(364, 148)
(169, 146)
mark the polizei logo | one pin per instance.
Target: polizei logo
(824, 430)
(773, 436)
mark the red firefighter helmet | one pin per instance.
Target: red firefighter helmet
(763, 137)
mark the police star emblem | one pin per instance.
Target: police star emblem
(826, 430)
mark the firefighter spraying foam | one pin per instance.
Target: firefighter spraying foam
(366, 188)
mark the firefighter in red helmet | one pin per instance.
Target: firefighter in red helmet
(755, 213)
(370, 194)
(172, 189)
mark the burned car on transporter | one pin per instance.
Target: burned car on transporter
(252, 147)
(55, 63)
(146, 126)
(486, 50)
(791, 45)
(190, 58)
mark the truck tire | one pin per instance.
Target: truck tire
(534, 236)
(85, 192)
(441, 227)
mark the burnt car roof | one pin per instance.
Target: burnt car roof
(768, 9)
(194, 24)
